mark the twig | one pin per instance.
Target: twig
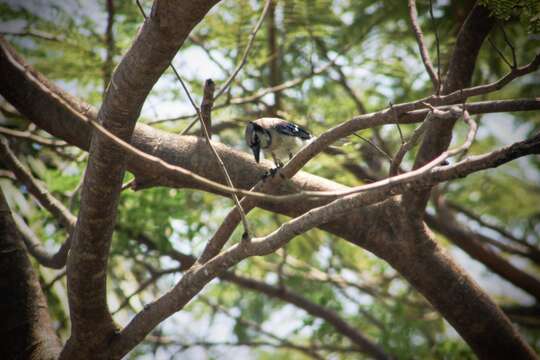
(247, 49)
(27, 135)
(452, 112)
(512, 48)
(421, 45)
(36, 34)
(409, 144)
(50, 284)
(243, 60)
(384, 153)
(216, 155)
(438, 47)
(49, 202)
(499, 52)
(154, 276)
(140, 8)
(37, 250)
(108, 64)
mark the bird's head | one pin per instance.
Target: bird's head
(254, 136)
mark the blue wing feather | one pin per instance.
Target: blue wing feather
(291, 129)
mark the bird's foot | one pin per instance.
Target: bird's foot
(272, 172)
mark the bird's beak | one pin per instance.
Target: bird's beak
(256, 152)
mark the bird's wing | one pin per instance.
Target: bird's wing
(287, 128)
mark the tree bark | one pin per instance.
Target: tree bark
(27, 331)
(156, 44)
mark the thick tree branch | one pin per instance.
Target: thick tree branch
(27, 330)
(156, 44)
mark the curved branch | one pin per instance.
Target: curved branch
(413, 14)
(49, 202)
(37, 250)
(289, 296)
(469, 243)
(313, 309)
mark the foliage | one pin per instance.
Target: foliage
(528, 11)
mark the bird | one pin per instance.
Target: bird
(276, 136)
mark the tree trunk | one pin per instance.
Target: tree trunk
(26, 331)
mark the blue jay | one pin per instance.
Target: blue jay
(276, 136)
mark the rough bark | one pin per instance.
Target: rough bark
(413, 252)
(26, 331)
(156, 44)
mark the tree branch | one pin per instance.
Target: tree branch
(27, 329)
(49, 202)
(156, 44)
(32, 137)
(247, 49)
(37, 250)
(466, 240)
(474, 30)
(313, 309)
(413, 14)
